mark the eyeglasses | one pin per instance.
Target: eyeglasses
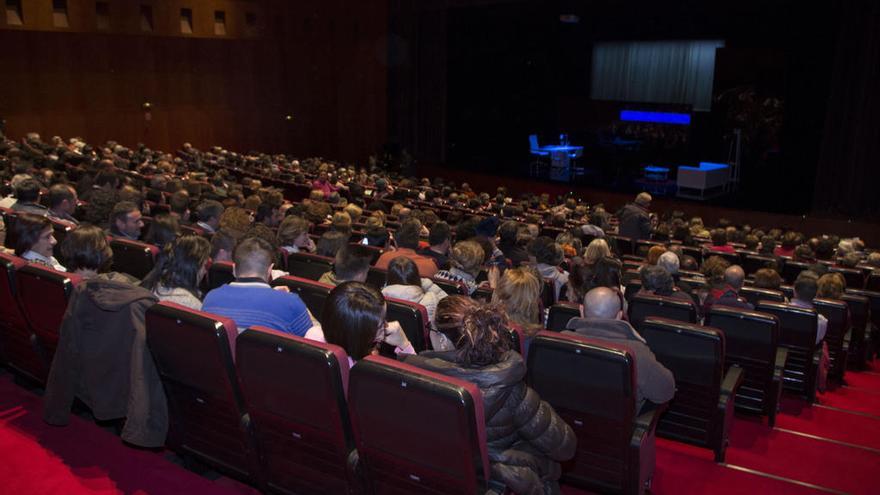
(381, 334)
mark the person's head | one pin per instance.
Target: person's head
(352, 262)
(468, 257)
(734, 276)
(804, 253)
(293, 231)
(268, 214)
(806, 286)
(669, 261)
(28, 191)
(331, 242)
(790, 240)
(596, 250)
(751, 242)
(236, 219)
(767, 278)
(408, 234)
(713, 268)
(223, 244)
(209, 213)
(874, 259)
(86, 249)
(253, 257)
(62, 199)
(654, 254)
(179, 203)
(825, 248)
(644, 200)
(602, 302)
(126, 219)
(478, 331)
(353, 318)
(606, 273)
(440, 236)
(719, 237)
(184, 263)
(341, 222)
(163, 230)
(518, 292)
(508, 232)
(34, 233)
(656, 280)
(830, 286)
(354, 212)
(403, 271)
(850, 260)
(546, 251)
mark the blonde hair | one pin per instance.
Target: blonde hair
(236, 219)
(467, 256)
(291, 228)
(596, 250)
(354, 211)
(518, 292)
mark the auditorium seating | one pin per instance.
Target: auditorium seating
(791, 270)
(17, 339)
(872, 283)
(752, 343)
(219, 273)
(702, 410)
(376, 277)
(860, 317)
(208, 421)
(797, 333)
(133, 257)
(592, 385)
(854, 277)
(295, 395)
(754, 295)
(390, 404)
(751, 263)
(43, 294)
(312, 293)
(413, 318)
(310, 266)
(560, 314)
(450, 287)
(621, 245)
(645, 305)
(837, 335)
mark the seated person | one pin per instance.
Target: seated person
(250, 300)
(466, 261)
(293, 236)
(176, 277)
(805, 289)
(670, 262)
(35, 240)
(354, 319)
(767, 278)
(88, 254)
(654, 254)
(548, 256)
(351, 263)
(657, 281)
(330, 243)
(403, 282)
(526, 438)
(602, 321)
(725, 291)
(831, 286)
(208, 214)
(512, 240)
(27, 194)
(719, 242)
(164, 229)
(407, 237)
(125, 221)
(439, 243)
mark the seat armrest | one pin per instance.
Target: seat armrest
(817, 356)
(649, 416)
(781, 359)
(846, 340)
(732, 380)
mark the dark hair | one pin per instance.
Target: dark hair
(351, 260)
(478, 331)
(179, 202)
(545, 250)
(121, 211)
(440, 232)
(403, 271)
(507, 232)
(209, 209)
(606, 273)
(27, 191)
(58, 193)
(264, 212)
(86, 248)
(253, 254)
(164, 229)
(180, 264)
(767, 278)
(806, 286)
(331, 242)
(352, 316)
(28, 228)
(408, 233)
(222, 239)
(719, 237)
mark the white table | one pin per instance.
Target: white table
(702, 182)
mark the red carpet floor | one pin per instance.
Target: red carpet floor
(833, 447)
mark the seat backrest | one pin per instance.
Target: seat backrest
(643, 246)
(837, 314)
(133, 257)
(855, 278)
(797, 326)
(312, 293)
(401, 451)
(295, 391)
(450, 287)
(754, 294)
(873, 303)
(754, 262)
(560, 314)
(413, 318)
(872, 283)
(43, 294)
(310, 266)
(792, 269)
(750, 336)
(376, 277)
(193, 352)
(15, 332)
(695, 252)
(859, 309)
(621, 245)
(219, 273)
(592, 385)
(645, 305)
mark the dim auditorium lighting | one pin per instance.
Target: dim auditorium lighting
(655, 117)
(288, 118)
(147, 106)
(569, 18)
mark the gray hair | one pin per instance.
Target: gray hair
(670, 262)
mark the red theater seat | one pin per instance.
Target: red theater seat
(17, 339)
(133, 257)
(43, 294)
(645, 305)
(837, 335)
(312, 293)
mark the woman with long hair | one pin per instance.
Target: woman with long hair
(526, 439)
(177, 275)
(519, 292)
(403, 282)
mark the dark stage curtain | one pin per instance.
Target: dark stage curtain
(848, 176)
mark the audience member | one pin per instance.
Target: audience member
(176, 277)
(351, 263)
(62, 203)
(635, 221)
(35, 240)
(126, 221)
(403, 282)
(519, 293)
(293, 236)
(407, 242)
(548, 258)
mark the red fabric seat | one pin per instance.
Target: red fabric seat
(17, 339)
(43, 294)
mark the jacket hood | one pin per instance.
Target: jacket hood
(114, 294)
(603, 328)
(508, 371)
(412, 293)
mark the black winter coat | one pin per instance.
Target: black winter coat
(526, 438)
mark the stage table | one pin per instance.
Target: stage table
(706, 181)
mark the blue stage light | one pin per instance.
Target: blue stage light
(655, 117)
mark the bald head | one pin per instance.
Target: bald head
(602, 302)
(734, 276)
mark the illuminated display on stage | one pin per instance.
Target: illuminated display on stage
(655, 117)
